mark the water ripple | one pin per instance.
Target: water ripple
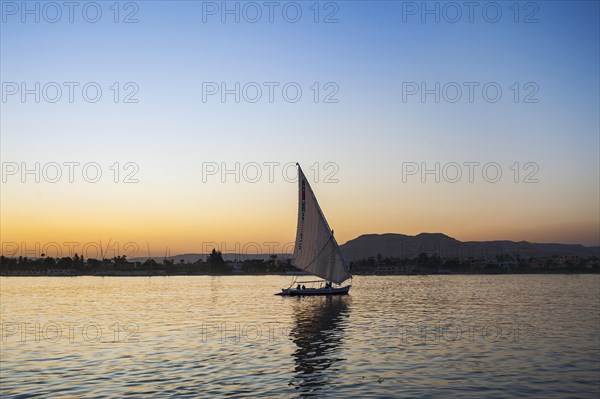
(194, 337)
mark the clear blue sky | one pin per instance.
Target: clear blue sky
(370, 54)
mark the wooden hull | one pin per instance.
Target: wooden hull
(314, 291)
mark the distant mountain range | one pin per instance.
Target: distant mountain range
(406, 246)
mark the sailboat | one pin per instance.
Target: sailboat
(316, 251)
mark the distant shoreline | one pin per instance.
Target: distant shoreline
(290, 275)
(215, 265)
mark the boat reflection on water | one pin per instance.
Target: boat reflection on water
(318, 333)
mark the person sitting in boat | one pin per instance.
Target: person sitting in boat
(298, 287)
(328, 284)
(303, 287)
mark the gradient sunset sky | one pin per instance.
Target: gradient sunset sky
(367, 56)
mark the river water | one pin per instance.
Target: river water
(393, 336)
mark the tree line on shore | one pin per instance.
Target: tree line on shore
(215, 264)
(434, 264)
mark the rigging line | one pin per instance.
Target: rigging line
(331, 238)
(319, 253)
(302, 176)
(324, 219)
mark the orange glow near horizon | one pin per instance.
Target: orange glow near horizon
(262, 218)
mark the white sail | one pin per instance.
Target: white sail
(316, 250)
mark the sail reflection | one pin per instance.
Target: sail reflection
(318, 332)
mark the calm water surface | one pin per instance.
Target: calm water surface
(193, 337)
